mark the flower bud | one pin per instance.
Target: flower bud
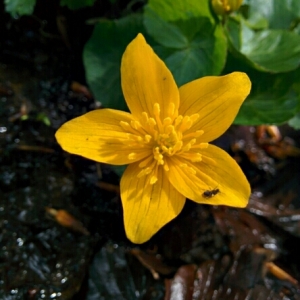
(222, 7)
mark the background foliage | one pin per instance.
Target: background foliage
(261, 39)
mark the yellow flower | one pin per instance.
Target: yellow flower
(222, 7)
(164, 140)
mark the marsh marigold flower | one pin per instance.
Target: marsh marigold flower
(164, 141)
(222, 7)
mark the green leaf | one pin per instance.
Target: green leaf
(295, 121)
(76, 4)
(267, 50)
(279, 14)
(189, 43)
(274, 99)
(265, 109)
(166, 34)
(205, 55)
(175, 10)
(102, 58)
(19, 7)
(119, 170)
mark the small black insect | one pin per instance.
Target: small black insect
(209, 194)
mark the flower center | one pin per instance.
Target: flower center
(165, 138)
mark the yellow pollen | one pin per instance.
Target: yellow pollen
(178, 120)
(200, 146)
(164, 136)
(194, 118)
(145, 117)
(171, 109)
(151, 122)
(148, 138)
(153, 179)
(167, 121)
(135, 137)
(125, 126)
(156, 110)
(166, 166)
(135, 124)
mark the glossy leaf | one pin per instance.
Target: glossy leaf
(76, 4)
(277, 14)
(19, 7)
(102, 58)
(273, 100)
(295, 121)
(176, 10)
(267, 50)
(189, 43)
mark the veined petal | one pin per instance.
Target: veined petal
(97, 135)
(146, 80)
(216, 99)
(147, 208)
(217, 170)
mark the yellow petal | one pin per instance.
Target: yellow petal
(217, 170)
(216, 99)
(98, 135)
(146, 80)
(147, 208)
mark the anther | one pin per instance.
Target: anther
(147, 138)
(194, 118)
(200, 146)
(125, 126)
(171, 109)
(156, 109)
(153, 179)
(178, 120)
(167, 121)
(135, 124)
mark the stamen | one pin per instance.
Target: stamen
(178, 120)
(125, 126)
(177, 146)
(134, 137)
(145, 117)
(171, 109)
(136, 125)
(193, 157)
(185, 124)
(208, 160)
(194, 117)
(153, 179)
(156, 113)
(193, 134)
(151, 122)
(200, 146)
(156, 109)
(167, 121)
(158, 156)
(170, 129)
(166, 166)
(147, 138)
